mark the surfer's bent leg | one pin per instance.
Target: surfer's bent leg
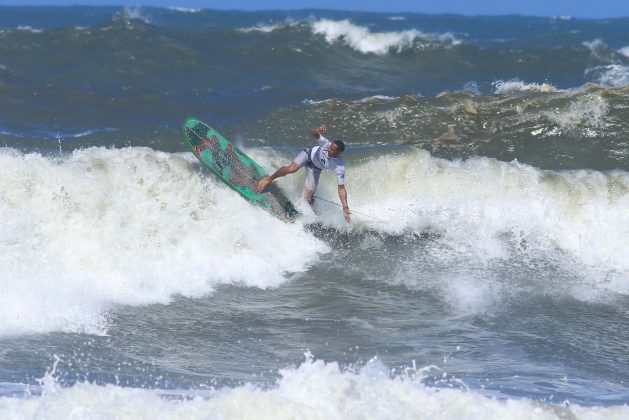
(312, 180)
(300, 160)
(309, 196)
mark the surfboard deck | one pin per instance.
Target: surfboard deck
(235, 168)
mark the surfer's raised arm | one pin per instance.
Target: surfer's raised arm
(319, 131)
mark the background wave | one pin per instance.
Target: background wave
(453, 85)
(536, 124)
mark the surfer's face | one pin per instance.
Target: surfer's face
(334, 151)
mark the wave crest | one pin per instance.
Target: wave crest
(363, 40)
(515, 85)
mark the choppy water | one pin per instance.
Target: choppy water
(485, 275)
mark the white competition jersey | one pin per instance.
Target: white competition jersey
(321, 160)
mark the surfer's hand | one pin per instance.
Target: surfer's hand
(317, 132)
(347, 214)
(263, 183)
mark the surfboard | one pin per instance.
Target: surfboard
(235, 168)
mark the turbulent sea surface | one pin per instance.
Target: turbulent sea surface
(485, 274)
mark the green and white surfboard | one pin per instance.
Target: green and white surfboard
(235, 168)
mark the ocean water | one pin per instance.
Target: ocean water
(485, 273)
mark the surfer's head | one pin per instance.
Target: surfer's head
(336, 149)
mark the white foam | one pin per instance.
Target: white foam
(314, 390)
(185, 9)
(134, 226)
(360, 38)
(313, 102)
(376, 98)
(261, 28)
(127, 226)
(473, 204)
(466, 292)
(27, 28)
(135, 12)
(594, 45)
(613, 71)
(497, 225)
(270, 28)
(612, 75)
(515, 85)
(586, 111)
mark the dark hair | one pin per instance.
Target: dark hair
(340, 145)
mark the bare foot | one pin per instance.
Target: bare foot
(263, 183)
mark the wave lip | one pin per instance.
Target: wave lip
(363, 40)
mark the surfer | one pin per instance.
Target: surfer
(326, 155)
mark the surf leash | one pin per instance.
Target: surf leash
(352, 211)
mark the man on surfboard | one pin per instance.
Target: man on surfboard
(326, 155)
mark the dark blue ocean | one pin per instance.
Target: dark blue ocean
(485, 273)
